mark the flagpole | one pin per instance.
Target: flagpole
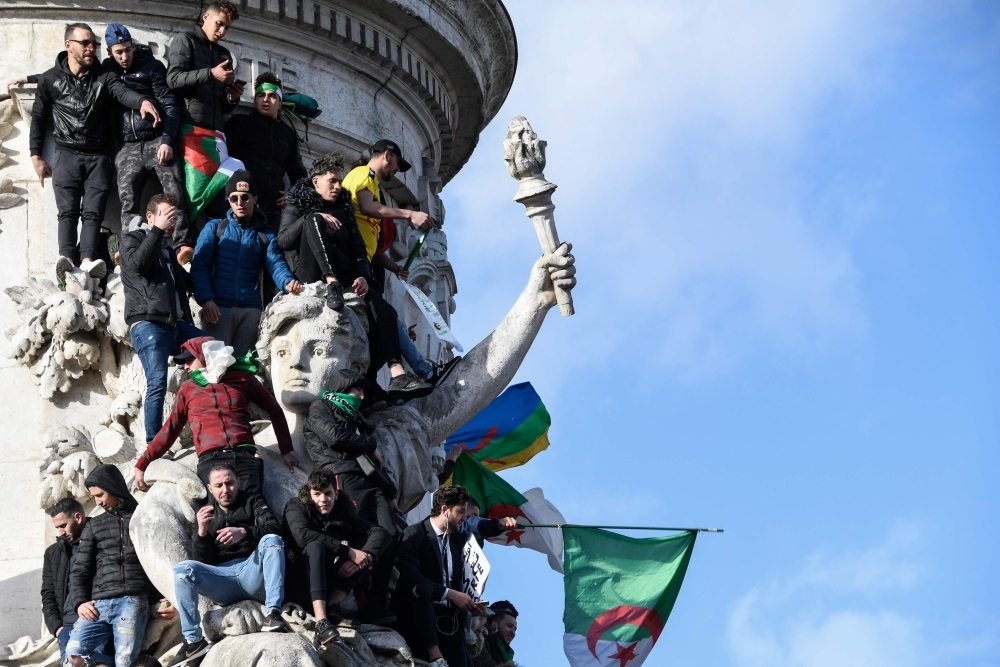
(574, 525)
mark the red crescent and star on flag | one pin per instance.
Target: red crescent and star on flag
(501, 510)
(624, 615)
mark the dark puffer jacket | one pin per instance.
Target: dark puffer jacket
(312, 247)
(189, 74)
(334, 440)
(148, 77)
(55, 582)
(249, 511)
(339, 530)
(151, 276)
(80, 107)
(269, 149)
(106, 564)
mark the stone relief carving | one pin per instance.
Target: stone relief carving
(8, 108)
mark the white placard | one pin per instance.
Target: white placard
(477, 569)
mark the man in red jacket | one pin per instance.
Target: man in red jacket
(219, 413)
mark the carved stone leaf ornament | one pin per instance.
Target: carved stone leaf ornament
(8, 106)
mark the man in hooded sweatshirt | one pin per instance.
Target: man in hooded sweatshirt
(77, 94)
(107, 586)
(216, 400)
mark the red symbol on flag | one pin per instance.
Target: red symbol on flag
(624, 615)
(625, 653)
(514, 536)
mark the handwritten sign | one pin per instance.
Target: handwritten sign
(477, 569)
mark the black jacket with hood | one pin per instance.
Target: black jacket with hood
(333, 439)
(308, 241)
(249, 511)
(152, 278)
(339, 530)
(106, 564)
(80, 107)
(148, 77)
(202, 97)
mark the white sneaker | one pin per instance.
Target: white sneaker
(440, 662)
(95, 268)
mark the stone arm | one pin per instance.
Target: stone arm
(487, 369)
(51, 612)
(264, 400)
(81, 577)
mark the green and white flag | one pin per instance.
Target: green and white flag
(619, 593)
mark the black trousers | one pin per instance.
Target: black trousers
(373, 507)
(423, 623)
(313, 575)
(248, 464)
(134, 162)
(81, 185)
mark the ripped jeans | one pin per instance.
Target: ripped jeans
(122, 618)
(260, 576)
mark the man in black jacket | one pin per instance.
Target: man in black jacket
(157, 309)
(77, 94)
(428, 596)
(146, 148)
(107, 585)
(329, 548)
(200, 72)
(238, 555)
(58, 611)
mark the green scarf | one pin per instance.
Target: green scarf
(349, 404)
(506, 652)
(245, 363)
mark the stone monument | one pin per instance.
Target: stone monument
(428, 75)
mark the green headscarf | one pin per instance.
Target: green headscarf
(349, 404)
(245, 363)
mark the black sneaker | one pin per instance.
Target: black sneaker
(377, 616)
(408, 386)
(191, 654)
(325, 633)
(442, 371)
(273, 622)
(335, 295)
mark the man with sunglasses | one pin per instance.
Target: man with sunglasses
(77, 94)
(227, 264)
(146, 148)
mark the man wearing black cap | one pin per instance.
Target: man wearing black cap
(226, 267)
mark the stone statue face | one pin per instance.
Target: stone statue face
(305, 355)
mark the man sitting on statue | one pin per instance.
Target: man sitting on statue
(501, 628)
(108, 587)
(320, 233)
(429, 597)
(216, 400)
(340, 440)
(329, 549)
(238, 555)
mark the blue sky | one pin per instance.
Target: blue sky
(785, 218)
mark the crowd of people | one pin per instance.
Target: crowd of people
(233, 225)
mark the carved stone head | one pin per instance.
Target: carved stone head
(304, 341)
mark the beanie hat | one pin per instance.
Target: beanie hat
(240, 181)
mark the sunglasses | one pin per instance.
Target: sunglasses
(86, 43)
(239, 198)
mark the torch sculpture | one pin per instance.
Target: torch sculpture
(524, 154)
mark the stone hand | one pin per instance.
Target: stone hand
(230, 535)
(165, 153)
(555, 268)
(149, 109)
(41, 168)
(88, 611)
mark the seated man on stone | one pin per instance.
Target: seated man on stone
(340, 441)
(156, 300)
(107, 586)
(238, 555)
(216, 400)
(69, 519)
(318, 229)
(227, 265)
(329, 548)
(428, 598)
(501, 628)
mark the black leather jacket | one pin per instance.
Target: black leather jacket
(249, 511)
(189, 74)
(148, 77)
(80, 107)
(335, 441)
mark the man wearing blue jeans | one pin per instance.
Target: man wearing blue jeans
(238, 555)
(157, 308)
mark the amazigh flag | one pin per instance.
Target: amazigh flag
(207, 166)
(497, 498)
(508, 432)
(619, 593)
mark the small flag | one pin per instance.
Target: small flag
(619, 593)
(207, 166)
(433, 316)
(497, 498)
(508, 432)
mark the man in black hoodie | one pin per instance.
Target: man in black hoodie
(238, 555)
(107, 585)
(146, 148)
(77, 94)
(69, 519)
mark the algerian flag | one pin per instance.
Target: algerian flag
(207, 166)
(497, 498)
(619, 593)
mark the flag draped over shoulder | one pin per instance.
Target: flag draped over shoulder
(207, 166)
(619, 593)
(497, 498)
(508, 432)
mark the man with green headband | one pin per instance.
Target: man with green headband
(216, 400)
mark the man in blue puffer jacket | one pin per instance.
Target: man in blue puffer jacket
(227, 263)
